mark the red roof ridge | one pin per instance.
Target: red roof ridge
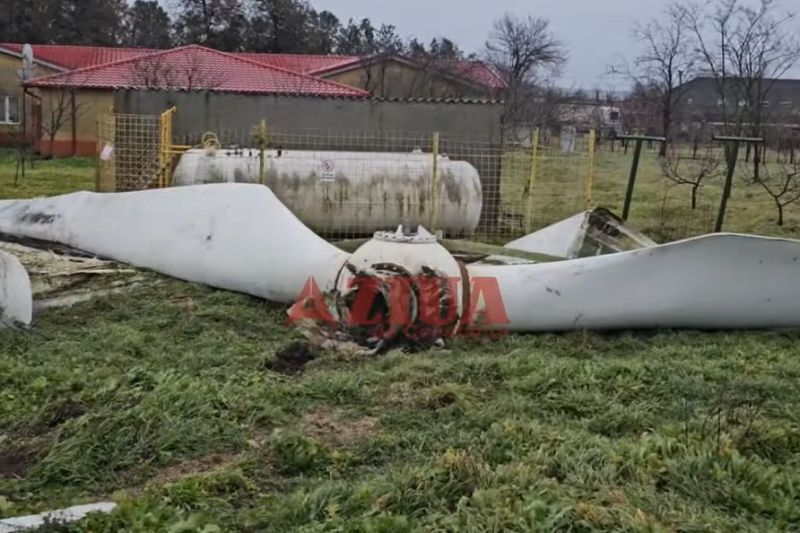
(71, 75)
(110, 63)
(280, 69)
(95, 46)
(292, 54)
(354, 60)
(16, 48)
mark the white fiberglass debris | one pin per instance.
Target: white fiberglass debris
(593, 232)
(58, 516)
(16, 302)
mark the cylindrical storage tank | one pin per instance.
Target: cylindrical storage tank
(351, 192)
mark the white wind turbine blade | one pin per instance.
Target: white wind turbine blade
(16, 303)
(709, 282)
(232, 236)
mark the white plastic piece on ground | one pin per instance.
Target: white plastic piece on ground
(337, 191)
(58, 516)
(16, 300)
(557, 239)
(717, 281)
(232, 236)
(592, 232)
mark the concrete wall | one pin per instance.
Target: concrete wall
(471, 132)
(203, 111)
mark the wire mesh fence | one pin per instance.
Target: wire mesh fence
(129, 151)
(349, 184)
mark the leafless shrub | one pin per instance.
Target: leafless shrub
(687, 170)
(782, 184)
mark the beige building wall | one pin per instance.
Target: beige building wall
(394, 79)
(77, 134)
(10, 68)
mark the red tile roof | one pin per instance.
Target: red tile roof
(304, 63)
(476, 72)
(196, 67)
(71, 57)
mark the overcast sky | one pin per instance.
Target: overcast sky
(595, 31)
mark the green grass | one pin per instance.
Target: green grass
(163, 400)
(660, 207)
(46, 177)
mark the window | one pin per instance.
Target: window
(9, 110)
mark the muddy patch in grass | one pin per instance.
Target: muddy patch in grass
(66, 411)
(206, 464)
(292, 359)
(15, 460)
(332, 428)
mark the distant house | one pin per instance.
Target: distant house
(702, 101)
(70, 86)
(605, 119)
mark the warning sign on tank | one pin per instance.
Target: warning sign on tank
(328, 170)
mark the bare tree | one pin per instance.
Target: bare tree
(783, 187)
(665, 60)
(154, 73)
(525, 52)
(62, 109)
(745, 50)
(158, 72)
(690, 171)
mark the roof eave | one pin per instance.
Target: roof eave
(47, 64)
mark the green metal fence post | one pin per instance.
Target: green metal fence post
(731, 157)
(637, 153)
